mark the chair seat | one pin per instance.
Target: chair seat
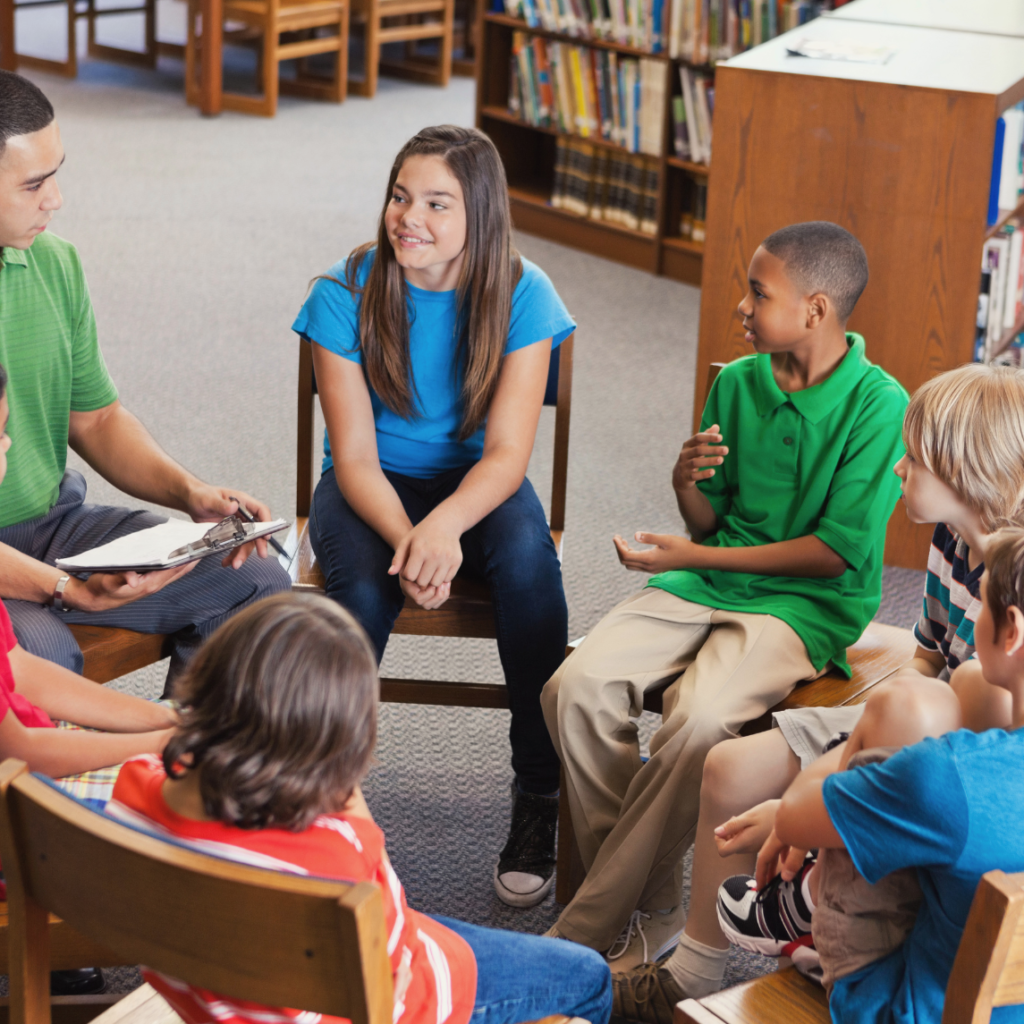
(783, 996)
(468, 612)
(111, 653)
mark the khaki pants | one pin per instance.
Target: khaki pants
(634, 821)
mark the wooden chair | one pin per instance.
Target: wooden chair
(987, 972)
(185, 914)
(88, 10)
(409, 22)
(268, 21)
(876, 656)
(469, 611)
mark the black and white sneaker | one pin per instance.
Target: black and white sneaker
(526, 870)
(775, 921)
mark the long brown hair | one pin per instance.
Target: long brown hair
(280, 713)
(490, 272)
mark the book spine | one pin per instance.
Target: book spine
(997, 169)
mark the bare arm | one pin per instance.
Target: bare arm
(345, 400)
(62, 694)
(800, 557)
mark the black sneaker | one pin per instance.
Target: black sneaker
(526, 870)
(775, 921)
(85, 981)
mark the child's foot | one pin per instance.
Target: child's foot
(526, 870)
(647, 936)
(647, 994)
(775, 921)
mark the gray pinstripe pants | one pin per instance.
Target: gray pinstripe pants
(190, 609)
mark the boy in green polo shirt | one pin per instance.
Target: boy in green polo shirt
(786, 492)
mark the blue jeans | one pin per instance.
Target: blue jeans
(526, 977)
(510, 549)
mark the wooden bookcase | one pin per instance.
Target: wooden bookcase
(529, 157)
(899, 153)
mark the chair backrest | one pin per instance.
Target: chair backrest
(558, 393)
(989, 967)
(240, 931)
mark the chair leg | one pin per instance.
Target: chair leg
(341, 67)
(569, 873)
(71, 68)
(371, 39)
(271, 69)
(192, 58)
(444, 55)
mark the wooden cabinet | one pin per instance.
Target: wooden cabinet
(899, 153)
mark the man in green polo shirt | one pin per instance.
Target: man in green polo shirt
(786, 492)
(61, 394)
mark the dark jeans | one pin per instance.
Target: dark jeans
(190, 609)
(528, 977)
(510, 549)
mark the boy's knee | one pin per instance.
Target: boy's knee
(907, 709)
(723, 774)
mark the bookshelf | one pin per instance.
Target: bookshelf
(899, 153)
(528, 153)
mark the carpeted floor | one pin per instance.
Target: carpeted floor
(199, 238)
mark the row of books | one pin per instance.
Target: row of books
(587, 92)
(1001, 295)
(694, 209)
(1007, 182)
(1012, 355)
(636, 23)
(691, 116)
(705, 31)
(592, 181)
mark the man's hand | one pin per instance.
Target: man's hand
(698, 457)
(426, 561)
(747, 832)
(105, 590)
(669, 552)
(777, 857)
(206, 504)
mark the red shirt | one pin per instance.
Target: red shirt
(434, 969)
(26, 713)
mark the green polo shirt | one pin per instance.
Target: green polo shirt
(49, 348)
(816, 462)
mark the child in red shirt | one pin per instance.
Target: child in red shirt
(279, 726)
(35, 691)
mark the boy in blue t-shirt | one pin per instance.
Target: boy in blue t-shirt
(939, 806)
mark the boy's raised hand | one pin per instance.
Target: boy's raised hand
(669, 552)
(699, 455)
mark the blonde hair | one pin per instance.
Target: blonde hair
(967, 427)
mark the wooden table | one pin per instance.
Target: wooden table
(210, 65)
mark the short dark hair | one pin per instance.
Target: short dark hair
(823, 257)
(280, 713)
(1004, 562)
(23, 108)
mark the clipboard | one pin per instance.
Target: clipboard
(176, 542)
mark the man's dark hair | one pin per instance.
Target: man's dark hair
(823, 257)
(23, 108)
(280, 714)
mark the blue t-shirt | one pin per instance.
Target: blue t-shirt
(944, 806)
(427, 444)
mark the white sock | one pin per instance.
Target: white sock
(698, 969)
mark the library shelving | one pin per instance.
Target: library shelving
(529, 154)
(900, 153)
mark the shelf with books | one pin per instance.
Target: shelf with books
(701, 170)
(1007, 339)
(498, 114)
(598, 44)
(1005, 216)
(683, 244)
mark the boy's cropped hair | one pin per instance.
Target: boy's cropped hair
(280, 713)
(1004, 563)
(23, 108)
(821, 257)
(967, 427)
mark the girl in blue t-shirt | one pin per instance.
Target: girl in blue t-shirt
(431, 347)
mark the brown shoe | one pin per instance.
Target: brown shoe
(647, 994)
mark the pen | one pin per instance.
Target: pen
(244, 513)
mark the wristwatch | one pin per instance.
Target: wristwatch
(58, 593)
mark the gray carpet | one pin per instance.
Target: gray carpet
(199, 238)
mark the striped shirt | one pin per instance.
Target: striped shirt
(49, 348)
(434, 969)
(952, 600)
